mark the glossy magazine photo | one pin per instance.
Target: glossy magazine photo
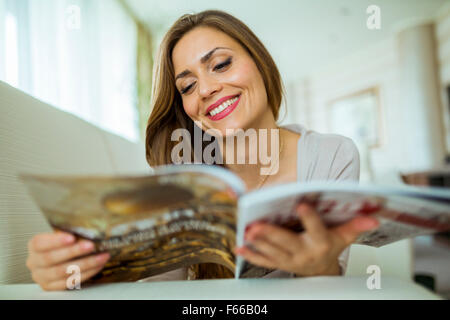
(188, 214)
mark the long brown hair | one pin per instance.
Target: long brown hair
(167, 109)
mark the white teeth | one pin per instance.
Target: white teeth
(223, 106)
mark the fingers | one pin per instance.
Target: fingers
(255, 258)
(271, 251)
(50, 241)
(62, 284)
(312, 223)
(57, 256)
(278, 237)
(59, 272)
(350, 231)
(308, 253)
(50, 255)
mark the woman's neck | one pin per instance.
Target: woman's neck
(255, 154)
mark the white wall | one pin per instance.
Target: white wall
(377, 66)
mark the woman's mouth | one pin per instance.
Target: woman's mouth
(224, 109)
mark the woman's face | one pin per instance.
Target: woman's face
(218, 81)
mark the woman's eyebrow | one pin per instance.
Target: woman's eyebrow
(203, 60)
(207, 56)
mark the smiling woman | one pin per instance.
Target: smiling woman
(230, 53)
(201, 55)
(228, 69)
(213, 71)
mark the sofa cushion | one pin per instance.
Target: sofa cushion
(38, 138)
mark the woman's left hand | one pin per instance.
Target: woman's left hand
(313, 252)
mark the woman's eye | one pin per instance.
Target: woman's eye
(186, 89)
(223, 64)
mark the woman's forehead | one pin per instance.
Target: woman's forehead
(197, 43)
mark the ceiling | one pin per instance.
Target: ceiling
(302, 35)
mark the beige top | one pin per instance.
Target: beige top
(319, 157)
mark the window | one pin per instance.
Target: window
(11, 51)
(77, 55)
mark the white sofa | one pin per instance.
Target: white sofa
(38, 138)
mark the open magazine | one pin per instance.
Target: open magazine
(188, 214)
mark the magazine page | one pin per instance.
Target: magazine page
(181, 215)
(403, 212)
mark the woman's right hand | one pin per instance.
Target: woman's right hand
(50, 255)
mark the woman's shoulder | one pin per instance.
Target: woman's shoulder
(323, 143)
(325, 156)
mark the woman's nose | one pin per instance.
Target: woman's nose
(208, 87)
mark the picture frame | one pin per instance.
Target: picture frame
(358, 116)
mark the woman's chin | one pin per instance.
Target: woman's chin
(227, 128)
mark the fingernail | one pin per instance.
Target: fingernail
(370, 224)
(102, 257)
(87, 245)
(302, 208)
(373, 224)
(68, 238)
(251, 237)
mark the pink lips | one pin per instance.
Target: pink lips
(224, 112)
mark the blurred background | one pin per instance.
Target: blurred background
(376, 71)
(385, 83)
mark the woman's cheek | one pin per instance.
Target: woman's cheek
(242, 74)
(251, 79)
(190, 109)
(246, 73)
